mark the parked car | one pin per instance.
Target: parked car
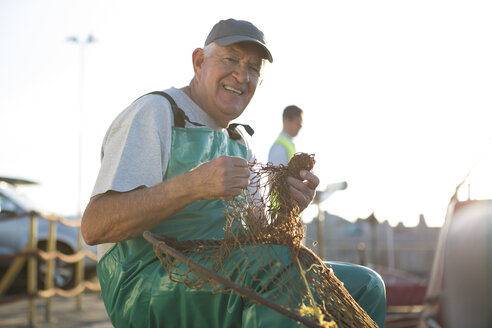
(14, 234)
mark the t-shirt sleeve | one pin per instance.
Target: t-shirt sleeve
(135, 150)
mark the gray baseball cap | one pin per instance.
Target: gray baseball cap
(230, 31)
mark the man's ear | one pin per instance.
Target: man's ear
(198, 58)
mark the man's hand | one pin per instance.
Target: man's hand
(222, 178)
(116, 216)
(303, 191)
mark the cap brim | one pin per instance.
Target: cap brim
(228, 40)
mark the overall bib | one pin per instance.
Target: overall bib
(136, 289)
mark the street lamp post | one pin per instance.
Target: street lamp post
(82, 44)
(79, 271)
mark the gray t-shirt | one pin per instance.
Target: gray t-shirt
(136, 149)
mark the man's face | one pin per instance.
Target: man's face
(293, 125)
(226, 80)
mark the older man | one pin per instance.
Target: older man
(168, 161)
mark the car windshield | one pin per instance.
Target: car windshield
(17, 197)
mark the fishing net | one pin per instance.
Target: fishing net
(262, 255)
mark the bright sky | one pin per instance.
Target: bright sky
(396, 94)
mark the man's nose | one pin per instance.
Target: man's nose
(241, 73)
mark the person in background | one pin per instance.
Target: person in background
(284, 148)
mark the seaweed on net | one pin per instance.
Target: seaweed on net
(262, 251)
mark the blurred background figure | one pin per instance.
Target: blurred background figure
(284, 148)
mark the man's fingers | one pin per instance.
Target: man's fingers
(225, 177)
(311, 179)
(232, 160)
(303, 191)
(302, 199)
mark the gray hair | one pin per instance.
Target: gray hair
(209, 48)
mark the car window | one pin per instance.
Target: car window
(7, 206)
(20, 201)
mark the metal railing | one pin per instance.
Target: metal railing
(31, 254)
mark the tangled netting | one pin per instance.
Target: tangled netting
(262, 250)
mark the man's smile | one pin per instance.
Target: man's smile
(239, 92)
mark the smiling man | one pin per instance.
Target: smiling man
(167, 163)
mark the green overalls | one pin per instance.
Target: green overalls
(136, 289)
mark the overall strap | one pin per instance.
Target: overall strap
(180, 117)
(234, 135)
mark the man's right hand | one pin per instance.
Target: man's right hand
(223, 177)
(116, 216)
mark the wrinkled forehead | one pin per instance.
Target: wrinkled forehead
(244, 50)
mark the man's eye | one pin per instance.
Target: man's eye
(255, 70)
(231, 60)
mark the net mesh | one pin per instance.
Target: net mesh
(263, 251)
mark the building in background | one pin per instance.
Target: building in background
(377, 244)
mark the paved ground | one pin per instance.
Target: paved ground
(64, 313)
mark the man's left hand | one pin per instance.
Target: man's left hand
(303, 191)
